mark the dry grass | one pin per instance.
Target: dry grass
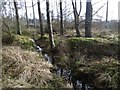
(21, 68)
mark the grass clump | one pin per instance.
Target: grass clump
(7, 38)
(27, 69)
(100, 74)
(22, 68)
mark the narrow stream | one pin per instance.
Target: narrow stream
(66, 73)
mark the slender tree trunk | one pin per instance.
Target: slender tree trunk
(33, 15)
(61, 72)
(76, 16)
(40, 19)
(52, 15)
(61, 19)
(88, 20)
(74, 83)
(83, 85)
(65, 18)
(10, 12)
(77, 25)
(49, 25)
(26, 15)
(107, 15)
(17, 18)
(57, 11)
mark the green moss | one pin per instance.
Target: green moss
(93, 46)
(24, 42)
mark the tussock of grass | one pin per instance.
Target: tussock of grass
(101, 74)
(22, 68)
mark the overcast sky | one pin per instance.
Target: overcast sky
(113, 8)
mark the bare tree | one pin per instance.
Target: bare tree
(26, 15)
(17, 18)
(52, 15)
(61, 19)
(33, 14)
(107, 15)
(88, 19)
(65, 16)
(49, 26)
(57, 10)
(40, 19)
(76, 16)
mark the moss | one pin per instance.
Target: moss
(101, 71)
(24, 42)
(93, 46)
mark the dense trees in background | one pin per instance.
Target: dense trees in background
(59, 22)
(17, 18)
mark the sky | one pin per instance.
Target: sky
(112, 13)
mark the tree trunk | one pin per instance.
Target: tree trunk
(33, 15)
(76, 16)
(49, 26)
(52, 15)
(107, 15)
(17, 18)
(77, 25)
(40, 19)
(57, 11)
(61, 70)
(74, 83)
(83, 85)
(88, 20)
(61, 19)
(26, 15)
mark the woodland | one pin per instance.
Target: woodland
(57, 52)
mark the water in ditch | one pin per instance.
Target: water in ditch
(66, 73)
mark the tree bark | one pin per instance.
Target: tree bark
(74, 83)
(88, 20)
(107, 15)
(40, 19)
(26, 15)
(57, 11)
(83, 85)
(61, 72)
(17, 18)
(33, 15)
(61, 19)
(49, 26)
(76, 16)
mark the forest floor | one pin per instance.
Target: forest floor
(93, 60)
